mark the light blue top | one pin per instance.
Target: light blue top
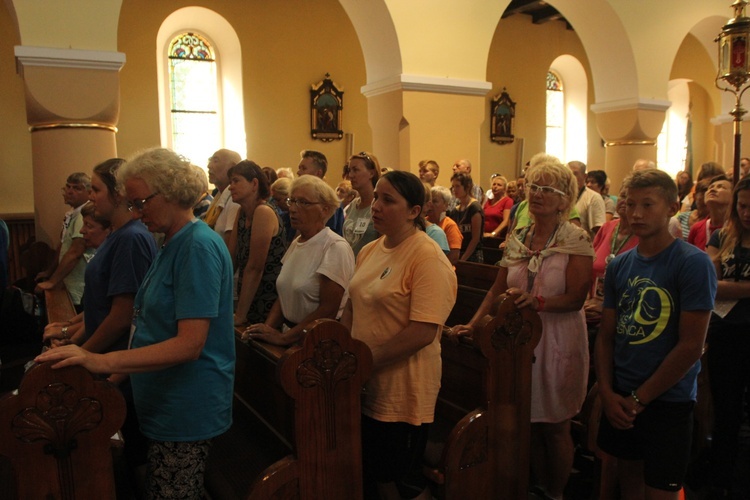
(436, 233)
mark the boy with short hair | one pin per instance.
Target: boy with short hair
(657, 304)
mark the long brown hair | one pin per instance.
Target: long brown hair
(731, 233)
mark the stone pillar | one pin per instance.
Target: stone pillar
(72, 108)
(415, 118)
(629, 130)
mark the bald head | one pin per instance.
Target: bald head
(643, 164)
(218, 166)
(462, 167)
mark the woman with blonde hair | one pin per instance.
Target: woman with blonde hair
(547, 266)
(314, 279)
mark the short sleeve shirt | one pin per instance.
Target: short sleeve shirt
(648, 295)
(391, 287)
(191, 278)
(298, 285)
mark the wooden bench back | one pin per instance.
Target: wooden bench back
(487, 452)
(324, 377)
(56, 432)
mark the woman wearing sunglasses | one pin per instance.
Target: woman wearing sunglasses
(547, 266)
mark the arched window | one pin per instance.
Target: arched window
(672, 143)
(194, 96)
(567, 101)
(216, 46)
(555, 141)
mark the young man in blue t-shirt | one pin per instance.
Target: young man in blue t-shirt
(657, 304)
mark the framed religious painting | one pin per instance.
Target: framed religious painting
(326, 111)
(502, 116)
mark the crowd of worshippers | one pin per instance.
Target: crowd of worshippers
(162, 270)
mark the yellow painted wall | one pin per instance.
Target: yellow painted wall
(89, 24)
(286, 47)
(520, 55)
(16, 193)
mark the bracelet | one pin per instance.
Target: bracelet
(64, 331)
(540, 303)
(636, 399)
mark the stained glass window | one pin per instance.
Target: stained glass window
(555, 141)
(194, 96)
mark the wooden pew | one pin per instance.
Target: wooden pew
(308, 397)
(486, 454)
(59, 305)
(56, 432)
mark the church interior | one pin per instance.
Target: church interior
(82, 81)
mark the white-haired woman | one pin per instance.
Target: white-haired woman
(181, 357)
(314, 279)
(548, 265)
(441, 199)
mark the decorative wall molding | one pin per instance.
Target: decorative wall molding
(68, 58)
(632, 103)
(422, 83)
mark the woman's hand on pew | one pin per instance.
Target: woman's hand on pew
(523, 299)
(264, 333)
(461, 331)
(60, 331)
(70, 355)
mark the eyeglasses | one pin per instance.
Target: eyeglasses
(75, 187)
(139, 204)
(301, 203)
(495, 175)
(364, 155)
(544, 190)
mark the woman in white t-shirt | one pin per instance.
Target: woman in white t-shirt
(316, 268)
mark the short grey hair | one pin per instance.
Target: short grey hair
(325, 193)
(442, 192)
(80, 178)
(167, 173)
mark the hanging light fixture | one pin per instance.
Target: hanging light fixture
(734, 69)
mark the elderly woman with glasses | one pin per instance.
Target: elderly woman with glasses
(364, 172)
(547, 266)
(181, 355)
(256, 244)
(314, 279)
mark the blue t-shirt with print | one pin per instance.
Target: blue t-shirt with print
(191, 278)
(648, 295)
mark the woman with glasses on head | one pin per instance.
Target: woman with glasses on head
(257, 243)
(314, 279)
(469, 216)
(547, 266)
(497, 208)
(181, 355)
(364, 172)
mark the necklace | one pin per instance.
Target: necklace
(614, 247)
(531, 276)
